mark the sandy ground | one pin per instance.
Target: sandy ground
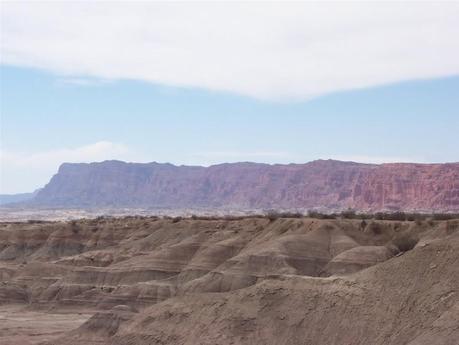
(225, 281)
(21, 326)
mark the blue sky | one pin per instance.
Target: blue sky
(204, 83)
(43, 113)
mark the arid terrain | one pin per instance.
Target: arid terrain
(230, 280)
(19, 324)
(229, 172)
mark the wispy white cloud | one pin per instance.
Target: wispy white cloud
(272, 50)
(24, 172)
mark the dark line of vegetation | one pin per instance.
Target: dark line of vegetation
(349, 214)
(273, 215)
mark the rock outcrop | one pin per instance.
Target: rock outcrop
(322, 184)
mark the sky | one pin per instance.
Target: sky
(202, 84)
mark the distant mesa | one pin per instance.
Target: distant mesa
(326, 184)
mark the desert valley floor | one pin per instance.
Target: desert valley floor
(248, 280)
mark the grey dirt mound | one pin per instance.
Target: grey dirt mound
(239, 281)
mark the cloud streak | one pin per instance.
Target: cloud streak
(272, 51)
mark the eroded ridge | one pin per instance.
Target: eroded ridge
(238, 280)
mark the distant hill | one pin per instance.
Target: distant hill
(325, 184)
(6, 199)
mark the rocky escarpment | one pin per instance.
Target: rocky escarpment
(319, 184)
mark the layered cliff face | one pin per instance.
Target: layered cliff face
(325, 184)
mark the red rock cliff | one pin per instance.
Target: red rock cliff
(327, 184)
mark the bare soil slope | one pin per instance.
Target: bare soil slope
(239, 281)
